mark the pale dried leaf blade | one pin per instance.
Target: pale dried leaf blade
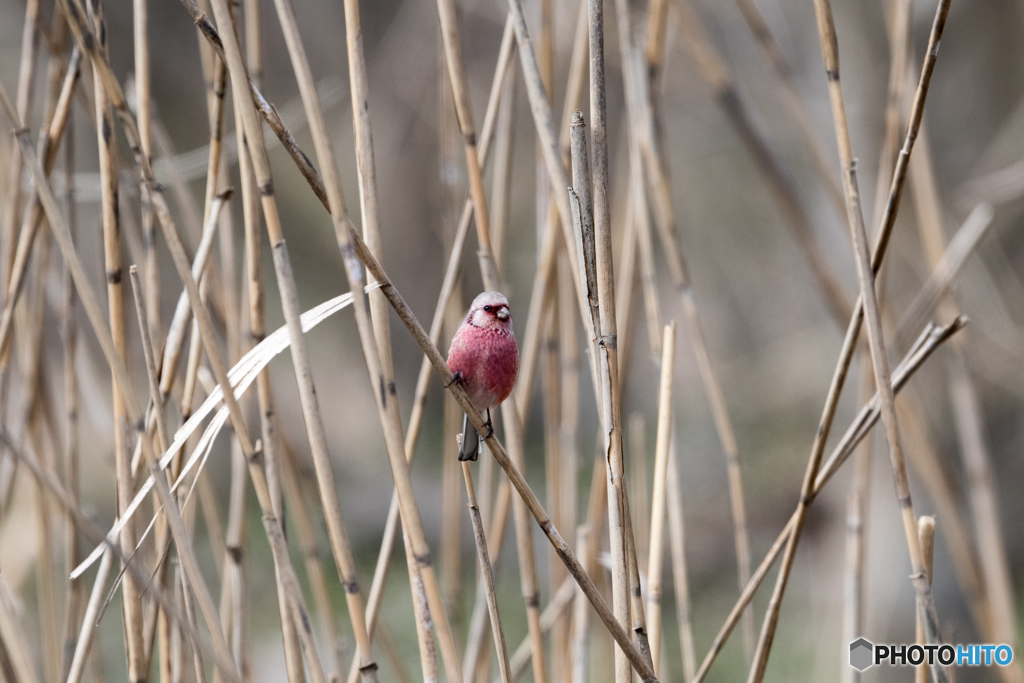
(241, 376)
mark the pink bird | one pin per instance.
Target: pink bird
(485, 360)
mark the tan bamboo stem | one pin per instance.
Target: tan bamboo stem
(143, 114)
(655, 561)
(866, 274)
(680, 573)
(604, 323)
(514, 474)
(830, 51)
(73, 602)
(997, 608)
(489, 274)
(926, 532)
(131, 601)
(423, 380)
(23, 102)
(282, 265)
(854, 603)
(488, 576)
(868, 416)
(75, 14)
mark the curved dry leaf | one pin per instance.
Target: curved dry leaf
(241, 376)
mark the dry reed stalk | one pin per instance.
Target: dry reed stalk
(642, 114)
(869, 307)
(423, 380)
(551, 392)
(625, 288)
(645, 251)
(50, 137)
(795, 104)
(593, 234)
(931, 338)
(926, 532)
(86, 40)
(163, 626)
(131, 594)
(544, 124)
(581, 614)
(143, 114)
(925, 604)
(546, 69)
(569, 592)
(899, 23)
(73, 599)
(570, 385)
(942, 493)
(946, 262)
(23, 103)
(655, 561)
(490, 276)
(84, 639)
(854, 602)
(515, 476)
(234, 570)
(35, 410)
(638, 618)
(367, 175)
(418, 552)
(501, 180)
(680, 573)
(185, 551)
(831, 55)
(451, 498)
(720, 80)
(556, 608)
(488, 576)
(998, 601)
(176, 330)
(286, 283)
(89, 528)
(450, 150)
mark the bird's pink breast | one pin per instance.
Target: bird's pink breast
(488, 362)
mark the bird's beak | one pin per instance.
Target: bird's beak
(502, 313)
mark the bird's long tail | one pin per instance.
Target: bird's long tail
(470, 448)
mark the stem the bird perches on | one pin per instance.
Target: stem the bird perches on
(566, 554)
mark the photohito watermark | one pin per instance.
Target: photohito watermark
(865, 654)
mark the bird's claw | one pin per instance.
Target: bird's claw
(456, 379)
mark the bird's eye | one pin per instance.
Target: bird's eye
(487, 308)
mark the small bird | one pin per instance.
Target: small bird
(484, 358)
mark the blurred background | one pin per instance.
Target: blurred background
(769, 330)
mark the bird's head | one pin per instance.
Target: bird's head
(490, 311)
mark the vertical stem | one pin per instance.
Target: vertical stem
(680, 574)
(132, 599)
(143, 114)
(926, 532)
(71, 460)
(488, 576)
(854, 611)
(655, 561)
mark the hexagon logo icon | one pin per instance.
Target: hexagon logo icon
(861, 651)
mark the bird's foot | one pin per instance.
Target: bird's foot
(490, 427)
(456, 379)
